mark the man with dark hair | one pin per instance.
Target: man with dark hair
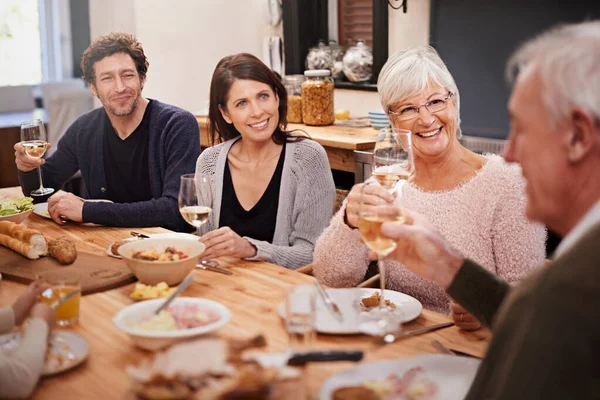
(132, 151)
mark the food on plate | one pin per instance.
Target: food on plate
(374, 300)
(179, 316)
(354, 393)
(63, 250)
(27, 242)
(115, 246)
(203, 366)
(146, 292)
(412, 385)
(15, 206)
(169, 254)
(59, 354)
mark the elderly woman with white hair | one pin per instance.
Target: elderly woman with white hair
(477, 202)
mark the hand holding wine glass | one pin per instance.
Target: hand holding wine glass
(392, 158)
(371, 216)
(34, 141)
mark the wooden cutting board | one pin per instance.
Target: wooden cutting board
(97, 273)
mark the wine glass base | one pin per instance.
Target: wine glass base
(380, 321)
(42, 192)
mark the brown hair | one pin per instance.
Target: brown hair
(107, 45)
(244, 66)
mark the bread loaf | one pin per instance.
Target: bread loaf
(27, 242)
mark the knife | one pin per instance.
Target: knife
(140, 235)
(302, 358)
(331, 305)
(392, 337)
(65, 298)
(214, 268)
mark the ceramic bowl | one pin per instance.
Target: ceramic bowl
(154, 272)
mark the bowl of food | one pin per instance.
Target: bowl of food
(161, 260)
(16, 209)
(185, 318)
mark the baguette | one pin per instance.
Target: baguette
(20, 247)
(36, 242)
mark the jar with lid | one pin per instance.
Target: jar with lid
(337, 52)
(293, 86)
(317, 98)
(358, 63)
(319, 57)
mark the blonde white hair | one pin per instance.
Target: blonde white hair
(410, 72)
(567, 61)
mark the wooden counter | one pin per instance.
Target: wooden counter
(339, 141)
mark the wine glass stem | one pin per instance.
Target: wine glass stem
(198, 231)
(381, 283)
(40, 176)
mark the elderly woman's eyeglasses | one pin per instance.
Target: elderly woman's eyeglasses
(433, 106)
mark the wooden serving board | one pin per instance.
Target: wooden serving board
(97, 273)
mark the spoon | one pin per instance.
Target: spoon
(189, 279)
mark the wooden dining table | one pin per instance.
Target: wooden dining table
(253, 294)
(339, 141)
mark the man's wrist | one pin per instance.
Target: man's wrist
(451, 265)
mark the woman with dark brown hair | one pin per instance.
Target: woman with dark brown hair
(273, 190)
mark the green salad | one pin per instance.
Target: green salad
(15, 206)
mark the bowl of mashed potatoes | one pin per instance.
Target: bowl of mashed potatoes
(161, 260)
(185, 318)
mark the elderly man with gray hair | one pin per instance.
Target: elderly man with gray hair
(546, 329)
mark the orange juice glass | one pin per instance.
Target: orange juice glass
(62, 283)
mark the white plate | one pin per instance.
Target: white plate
(66, 350)
(127, 319)
(167, 235)
(41, 209)
(347, 300)
(452, 375)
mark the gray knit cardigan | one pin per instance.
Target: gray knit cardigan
(306, 201)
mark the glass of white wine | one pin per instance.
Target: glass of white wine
(195, 200)
(33, 139)
(371, 215)
(393, 161)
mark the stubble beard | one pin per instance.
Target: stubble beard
(125, 112)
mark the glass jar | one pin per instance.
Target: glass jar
(337, 52)
(293, 86)
(319, 57)
(358, 63)
(317, 98)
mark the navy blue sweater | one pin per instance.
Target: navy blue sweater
(173, 146)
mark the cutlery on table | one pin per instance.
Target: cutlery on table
(64, 299)
(330, 303)
(444, 350)
(208, 266)
(185, 283)
(301, 358)
(392, 337)
(140, 235)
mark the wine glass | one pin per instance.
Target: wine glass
(371, 216)
(33, 139)
(195, 200)
(392, 158)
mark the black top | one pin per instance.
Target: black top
(126, 162)
(258, 222)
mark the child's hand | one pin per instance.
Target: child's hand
(45, 312)
(23, 305)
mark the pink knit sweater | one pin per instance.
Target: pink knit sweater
(483, 218)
